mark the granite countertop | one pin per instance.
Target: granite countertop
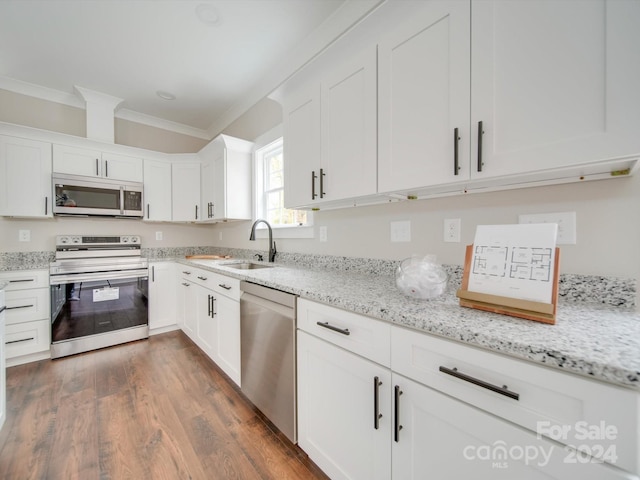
(598, 341)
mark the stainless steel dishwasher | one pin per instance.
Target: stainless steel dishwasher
(268, 353)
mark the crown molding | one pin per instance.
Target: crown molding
(74, 100)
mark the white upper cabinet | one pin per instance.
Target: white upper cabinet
(157, 190)
(348, 129)
(226, 179)
(301, 144)
(94, 163)
(25, 178)
(330, 135)
(185, 191)
(553, 83)
(424, 89)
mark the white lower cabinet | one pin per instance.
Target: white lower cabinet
(363, 416)
(337, 423)
(162, 297)
(28, 319)
(440, 437)
(211, 318)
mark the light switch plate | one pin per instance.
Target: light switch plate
(400, 231)
(322, 233)
(24, 235)
(158, 236)
(566, 224)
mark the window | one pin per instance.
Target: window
(269, 162)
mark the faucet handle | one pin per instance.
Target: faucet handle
(259, 257)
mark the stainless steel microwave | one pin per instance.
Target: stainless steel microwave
(77, 195)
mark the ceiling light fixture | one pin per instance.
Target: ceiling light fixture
(165, 95)
(207, 14)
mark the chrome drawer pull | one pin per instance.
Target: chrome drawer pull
(494, 388)
(202, 278)
(344, 331)
(20, 306)
(18, 341)
(186, 273)
(22, 280)
(226, 287)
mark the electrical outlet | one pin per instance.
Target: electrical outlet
(24, 235)
(452, 227)
(566, 224)
(322, 233)
(158, 236)
(401, 231)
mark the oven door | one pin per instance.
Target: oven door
(90, 311)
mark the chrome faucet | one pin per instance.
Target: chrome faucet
(272, 244)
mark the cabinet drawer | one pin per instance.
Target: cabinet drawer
(198, 276)
(27, 305)
(565, 407)
(227, 286)
(26, 338)
(24, 279)
(361, 335)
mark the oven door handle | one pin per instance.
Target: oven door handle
(88, 277)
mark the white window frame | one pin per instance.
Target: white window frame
(279, 231)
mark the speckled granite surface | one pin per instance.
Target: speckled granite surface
(596, 340)
(597, 332)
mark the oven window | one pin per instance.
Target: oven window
(87, 308)
(87, 197)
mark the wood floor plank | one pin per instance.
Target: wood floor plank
(153, 409)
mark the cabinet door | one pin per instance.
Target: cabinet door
(348, 113)
(77, 161)
(157, 191)
(162, 295)
(446, 439)
(554, 83)
(186, 307)
(424, 86)
(227, 319)
(301, 125)
(336, 406)
(205, 321)
(185, 191)
(122, 167)
(25, 178)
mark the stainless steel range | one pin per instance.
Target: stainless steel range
(99, 289)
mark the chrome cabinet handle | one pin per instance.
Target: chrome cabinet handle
(210, 306)
(396, 414)
(186, 272)
(153, 273)
(186, 284)
(97, 167)
(106, 168)
(226, 287)
(22, 280)
(46, 205)
(376, 402)
(480, 135)
(481, 383)
(202, 278)
(456, 138)
(344, 331)
(196, 212)
(148, 211)
(20, 306)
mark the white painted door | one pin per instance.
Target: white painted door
(424, 87)
(555, 83)
(348, 113)
(162, 295)
(227, 317)
(77, 161)
(220, 187)
(301, 125)
(205, 321)
(185, 191)
(443, 438)
(336, 405)
(25, 178)
(157, 191)
(122, 167)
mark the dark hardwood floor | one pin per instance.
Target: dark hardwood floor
(153, 409)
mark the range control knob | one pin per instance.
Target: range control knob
(63, 240)
(124, 239)
(135, 239)
(76, 240)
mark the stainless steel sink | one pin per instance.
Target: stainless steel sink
(247, 266)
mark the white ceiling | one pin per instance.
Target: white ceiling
(132, 48)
